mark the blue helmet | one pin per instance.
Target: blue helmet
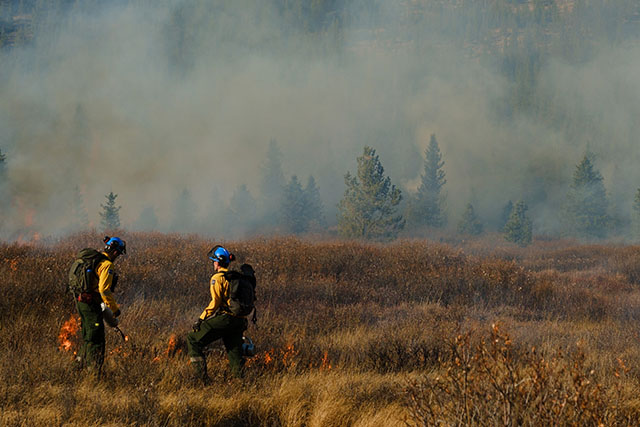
(220, 254)
(115, 243)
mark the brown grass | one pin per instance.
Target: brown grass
(350, 333)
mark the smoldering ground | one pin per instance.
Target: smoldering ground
(147, 99)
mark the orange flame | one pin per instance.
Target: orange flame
(288, 356)
(121, 351)
(67, 337)
(171, 350)
(326, 365)
(172, 346)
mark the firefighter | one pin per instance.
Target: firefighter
(90, 304)
(217, 321)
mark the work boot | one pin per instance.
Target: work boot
(200, 372)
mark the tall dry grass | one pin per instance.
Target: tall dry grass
(349, 333)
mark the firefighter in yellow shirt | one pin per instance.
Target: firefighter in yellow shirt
(217, 321)
(89, 304)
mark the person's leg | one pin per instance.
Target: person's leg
(233, 343)
(196, 342)
(93, 339)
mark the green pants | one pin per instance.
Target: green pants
(230, 329)
(93, 342)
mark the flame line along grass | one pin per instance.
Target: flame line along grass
(286, 357)
(68, 334)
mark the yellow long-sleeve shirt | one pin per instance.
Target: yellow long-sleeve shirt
(105, 281)
(219, 288)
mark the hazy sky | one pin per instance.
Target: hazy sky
(102, 105)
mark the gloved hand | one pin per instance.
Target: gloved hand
(196, 326)
(117, 313)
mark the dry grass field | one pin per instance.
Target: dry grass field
(409, 333)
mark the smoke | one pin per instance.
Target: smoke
(152, 99)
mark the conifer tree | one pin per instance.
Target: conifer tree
(635, 217)
(505, 214)
(470, 223)
(427, 206)
(314, 210)
(214, 216)
(3, 188)
(272, 182)
(369, 206)
(79, 214)
(518, 228)
(110, 213)
(184, 212)
(587, 203)
(148, 220)
(3, 172)
(3, 160)
(294, 207)
(242, 207)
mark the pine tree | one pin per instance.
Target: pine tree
(470, 223)
(3, 188)
(427, 207)
(505, 214)
(272, 183)
(518, 228)
(294, 207)
(184, 212)
(587, 203)
(314, 210)
(635, 217)
(79, 214)
(148, 220)
(242, 206)
(3, 160)
(369, 206)
(214, 216)
(110, 213)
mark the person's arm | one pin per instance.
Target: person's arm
(216, 296)
(105, 281)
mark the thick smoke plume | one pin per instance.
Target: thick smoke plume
(149, 99)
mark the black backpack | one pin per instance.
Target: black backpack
(242, 291)
(83, 270)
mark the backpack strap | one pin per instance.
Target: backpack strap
(224, 306)
(96, 261)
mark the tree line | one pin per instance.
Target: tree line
(371, 208)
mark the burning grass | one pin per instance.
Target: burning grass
(68, 336)
(349, 333)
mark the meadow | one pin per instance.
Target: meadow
(349, 333)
